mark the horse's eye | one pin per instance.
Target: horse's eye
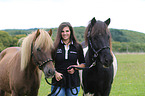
(100, 34)
(95, 38)
(38, 49)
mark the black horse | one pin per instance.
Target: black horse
(97, 80)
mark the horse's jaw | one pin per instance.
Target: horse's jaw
(105, 66)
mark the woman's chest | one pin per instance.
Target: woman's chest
(64, 54)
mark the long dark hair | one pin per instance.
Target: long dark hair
(59, 37)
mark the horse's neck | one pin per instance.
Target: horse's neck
(31, 67)
(88, 57)
(30, 71)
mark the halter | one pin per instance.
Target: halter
(96, 52)
(36, 62)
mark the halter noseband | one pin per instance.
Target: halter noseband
(96, 52)
(36, 62)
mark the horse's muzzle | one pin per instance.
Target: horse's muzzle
(49, 72)
(106, 60)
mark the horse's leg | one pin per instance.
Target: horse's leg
(89, 94)
(33, 93)
(2, 93)
(7, 94)
(104, 92)
(98, 94)
(107, 91)
(14, 93)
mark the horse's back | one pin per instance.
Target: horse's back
(7, 55)
(8, 52)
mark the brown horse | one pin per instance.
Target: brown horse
(20, 66)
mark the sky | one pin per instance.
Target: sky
(25, 14)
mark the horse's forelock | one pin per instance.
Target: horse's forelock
(44, 41)
(99, 25)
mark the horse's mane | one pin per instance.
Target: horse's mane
(42, 41)
(99, 26)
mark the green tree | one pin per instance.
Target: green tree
(5, 38)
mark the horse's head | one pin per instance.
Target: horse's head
(41, 52)
(37, 48)
(99, 41)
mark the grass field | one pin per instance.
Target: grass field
(129, 80)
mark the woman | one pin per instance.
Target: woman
(66, 54)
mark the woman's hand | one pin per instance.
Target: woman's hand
(71, 71)
(58, 76)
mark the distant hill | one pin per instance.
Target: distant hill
(122, 40)
(118, 35)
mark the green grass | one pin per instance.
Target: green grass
(129, 80)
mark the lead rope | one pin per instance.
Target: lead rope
(62, 82)
(55, 87)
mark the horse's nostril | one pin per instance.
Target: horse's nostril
(51, 72)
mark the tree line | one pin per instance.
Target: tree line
(122, 40)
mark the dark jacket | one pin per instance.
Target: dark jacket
(75, 53)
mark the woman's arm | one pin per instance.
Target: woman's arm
(71, 71)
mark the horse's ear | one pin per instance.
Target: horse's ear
(38, 33)
(108, 21)
(50, 32)
(93, 21)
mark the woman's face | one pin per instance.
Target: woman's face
(65, 33)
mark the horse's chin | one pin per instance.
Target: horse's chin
(105, 66)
